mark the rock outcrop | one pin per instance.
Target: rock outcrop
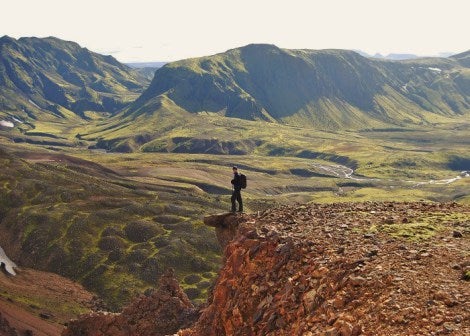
(340, 270)
(343, 269)
(164, 312)
(226, 225)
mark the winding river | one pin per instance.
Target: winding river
(7, 263)
(348, 173)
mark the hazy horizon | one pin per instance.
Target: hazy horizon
(155, 31)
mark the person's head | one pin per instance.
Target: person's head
(235, 169)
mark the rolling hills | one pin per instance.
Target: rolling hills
(57, 93)
(87, 222)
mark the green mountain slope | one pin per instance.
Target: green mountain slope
(51, 79)
(186, 106)
(462, 58)
(325, 89)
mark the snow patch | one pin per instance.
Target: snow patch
(5, 123)
(34, 104)
(435, 69)
(9, 265)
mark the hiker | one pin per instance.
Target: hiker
(237, 187)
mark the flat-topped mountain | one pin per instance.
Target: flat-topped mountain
(321, 88)
(48, 78)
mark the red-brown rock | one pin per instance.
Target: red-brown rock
(164, 312)
(283, 275)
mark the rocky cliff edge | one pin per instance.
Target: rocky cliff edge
(342, 269)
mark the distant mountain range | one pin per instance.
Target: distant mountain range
(48, 78)
(398, 56)
(140, 65)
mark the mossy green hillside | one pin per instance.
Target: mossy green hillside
(324, 89)
(114, 235)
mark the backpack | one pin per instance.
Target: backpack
(243, 181)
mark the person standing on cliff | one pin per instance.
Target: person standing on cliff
(236, 193)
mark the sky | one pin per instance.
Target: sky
(146, 30)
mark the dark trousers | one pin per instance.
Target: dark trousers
(237, 196)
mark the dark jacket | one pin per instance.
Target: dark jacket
(237, 181)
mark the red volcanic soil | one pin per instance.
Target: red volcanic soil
(40, 302)
(17, 321)
(71, 161)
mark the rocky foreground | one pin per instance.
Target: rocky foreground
(341, 269)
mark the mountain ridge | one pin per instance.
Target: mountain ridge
(49, 78)
(327, 90)
(264, 82)
(463, 58)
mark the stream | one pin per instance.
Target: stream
(348, 173)
(9, 265)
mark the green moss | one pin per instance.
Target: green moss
(67, 237)
(466, 276)
(412, 231)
